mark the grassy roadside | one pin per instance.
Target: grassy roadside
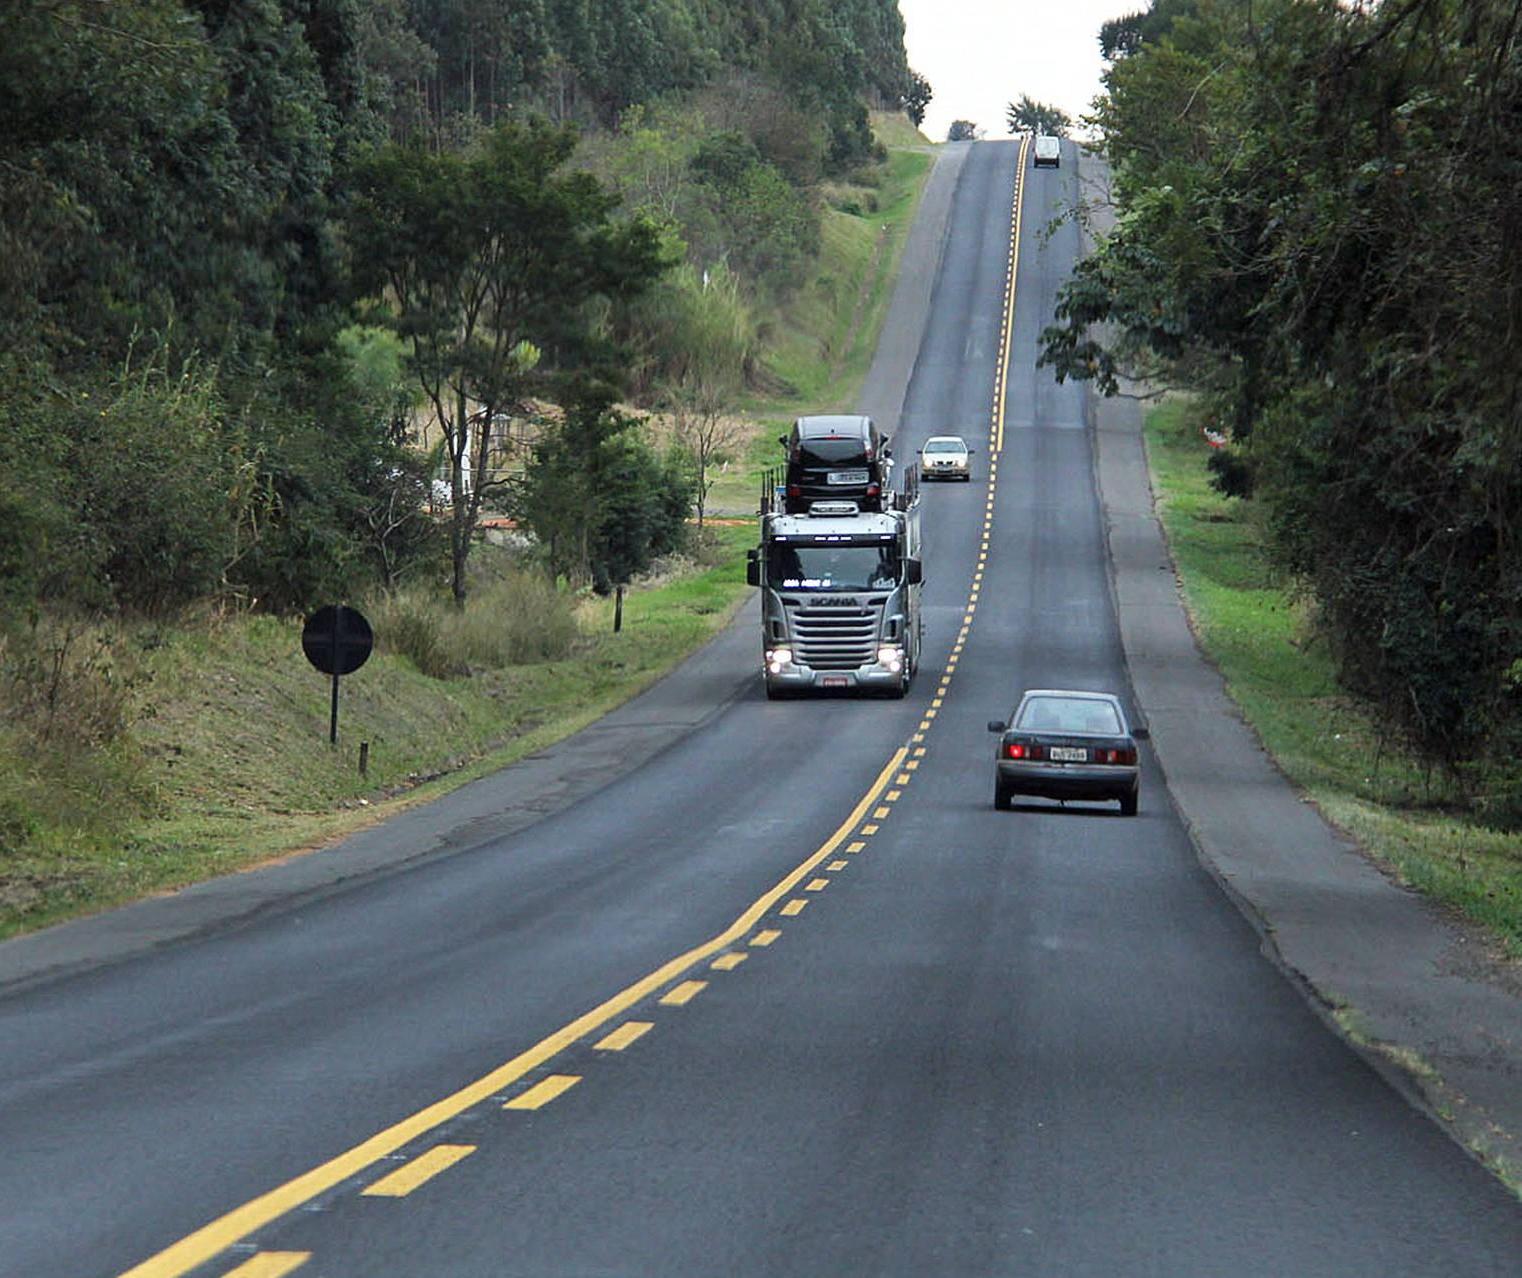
(1408, 819)
(232, 731)
(227, 764)
(824, 338)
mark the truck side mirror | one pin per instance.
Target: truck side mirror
(913, 573)
(782, 439)
(752, 568)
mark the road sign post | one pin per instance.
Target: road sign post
(337, 640)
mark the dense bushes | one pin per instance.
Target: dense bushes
(68, 764)
(514, 617)
(148, 492)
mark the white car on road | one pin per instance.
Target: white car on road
(946, 457)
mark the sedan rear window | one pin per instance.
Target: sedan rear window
(1069, 714)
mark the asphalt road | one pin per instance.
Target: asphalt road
(890, 1030)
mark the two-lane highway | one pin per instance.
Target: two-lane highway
(791, 998)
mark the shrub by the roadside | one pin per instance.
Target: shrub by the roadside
(1453, 835)
(69, 768)
(514, 618)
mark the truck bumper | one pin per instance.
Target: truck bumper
(876, 678)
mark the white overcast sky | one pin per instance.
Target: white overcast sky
(981, 55)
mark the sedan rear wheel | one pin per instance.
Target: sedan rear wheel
(1128, 803)
(1003, 796)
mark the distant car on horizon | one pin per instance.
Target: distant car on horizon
(1067, 744)
(946, 457)
(1048, 151)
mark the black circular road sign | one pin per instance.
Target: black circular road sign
(337, 640)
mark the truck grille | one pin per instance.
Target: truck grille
(836, 638)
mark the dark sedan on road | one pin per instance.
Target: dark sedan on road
(1064, 744)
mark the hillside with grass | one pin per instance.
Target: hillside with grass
(139, 753)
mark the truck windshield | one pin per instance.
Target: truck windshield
(832, 566)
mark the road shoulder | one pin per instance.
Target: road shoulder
(1417, 992)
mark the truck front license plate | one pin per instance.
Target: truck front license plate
(833, 681)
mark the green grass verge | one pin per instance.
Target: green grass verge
(822, 341)
(1405, 816)
(232, 728)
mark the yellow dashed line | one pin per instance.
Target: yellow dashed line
(627, 1033)
(919, 753)
(681, 995)
(793, 907)
(901, 779)
(869, 830)
(270, 1264)
(728, 962)
(419, 1171)
(765, 937)
(912, 765)
(544, 1091)
(212, 1239)
(881, 813)
(856, 846)
(817, 885)
(835, 867)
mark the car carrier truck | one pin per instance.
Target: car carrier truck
(840, 595)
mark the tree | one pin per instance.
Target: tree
(917, 98)
(962, 131)
(483, 260)
(598, 500)
(1319, 234)
(1029, 116)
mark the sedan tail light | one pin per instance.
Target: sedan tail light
(1123, 755)
(1024, 750)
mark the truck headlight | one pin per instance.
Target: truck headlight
(892, 656)
(776, 658)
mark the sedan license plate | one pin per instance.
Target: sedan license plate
(846, 477)
(833, 681)
(1068, 754)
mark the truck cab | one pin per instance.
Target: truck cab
(840, 599)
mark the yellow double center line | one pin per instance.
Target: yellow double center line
(212, 1239)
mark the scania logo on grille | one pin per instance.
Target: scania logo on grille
(837, 601)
